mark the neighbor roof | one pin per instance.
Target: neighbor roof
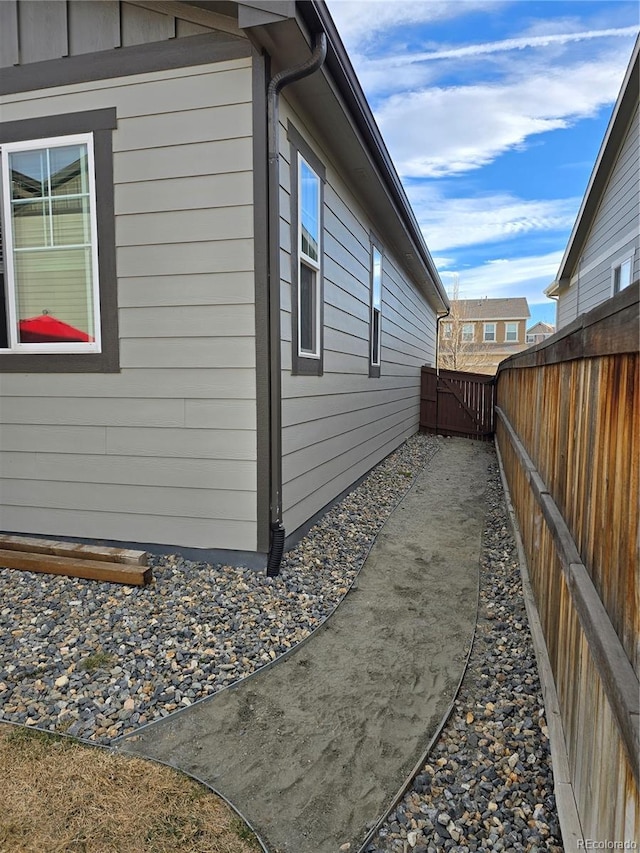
(511, 308)
(541, 327)
(607, 156)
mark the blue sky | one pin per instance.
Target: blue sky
(493, 112)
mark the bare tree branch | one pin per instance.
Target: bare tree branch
(457, 349)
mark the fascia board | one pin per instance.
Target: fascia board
(429, 284)
(254, 13)
(283, 43)
(315, 15)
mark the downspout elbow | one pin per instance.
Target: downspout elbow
(276, 551)
(284, 78)
(438, 318)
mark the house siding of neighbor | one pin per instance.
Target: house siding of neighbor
(605, 242)
(166, 441)
(480, 333)
(539, 332)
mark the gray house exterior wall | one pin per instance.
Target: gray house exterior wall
(171, 446)
(338, 425)
(614, 235)
(163, 451)
(607, 230)
(33, 32)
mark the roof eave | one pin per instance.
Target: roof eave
(316, 16)
(311, 18)
(616, 131)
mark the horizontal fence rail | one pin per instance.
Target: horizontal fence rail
(567, 427)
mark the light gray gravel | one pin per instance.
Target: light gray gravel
(98, 660)
(488, 782)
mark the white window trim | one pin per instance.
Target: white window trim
(487, 340)
(376, 307)
(508, 340)
(473, 333)
(29, 145)
(618, 263)
(447, 331)
(303, 258)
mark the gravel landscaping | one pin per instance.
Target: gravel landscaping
(98, 660)
(488, 782)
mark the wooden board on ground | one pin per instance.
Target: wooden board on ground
(115, 565)
(73, 549)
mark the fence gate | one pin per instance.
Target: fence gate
(457, 403)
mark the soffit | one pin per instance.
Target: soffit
(322, 104)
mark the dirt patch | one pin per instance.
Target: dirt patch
(314, 749)
(61, 797)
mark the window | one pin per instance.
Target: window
(467, 331)
(511, 332)
(621, 274)
(531, 339)
(307, 182)
(489, 332)
(58, 308)
(52, 298)
(309, 254)
(375, 331)
(447, 331)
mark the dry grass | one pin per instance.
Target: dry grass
(61, 797)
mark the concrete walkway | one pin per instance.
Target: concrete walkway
(313, 749)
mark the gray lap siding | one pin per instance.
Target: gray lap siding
(165, 450)
(614, 235)
(337, 426)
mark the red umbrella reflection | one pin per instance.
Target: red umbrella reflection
(46, 329)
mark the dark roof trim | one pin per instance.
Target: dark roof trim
(123, 61)
(607, 157)
(316, 17)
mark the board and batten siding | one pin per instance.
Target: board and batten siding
(49, 29)
(335, 427)
(163, 452)
(615, 233)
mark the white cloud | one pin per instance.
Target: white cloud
(503, 46)
(360, 21)
(455, 222)
(379, 80)
(445, 131)
(524, 276)
(442, 263)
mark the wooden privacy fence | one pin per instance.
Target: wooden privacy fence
(567, 429)
(456, 403)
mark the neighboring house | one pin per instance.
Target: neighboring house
(540, 332)
(218, 298)
(603, 253)
(479, 333)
